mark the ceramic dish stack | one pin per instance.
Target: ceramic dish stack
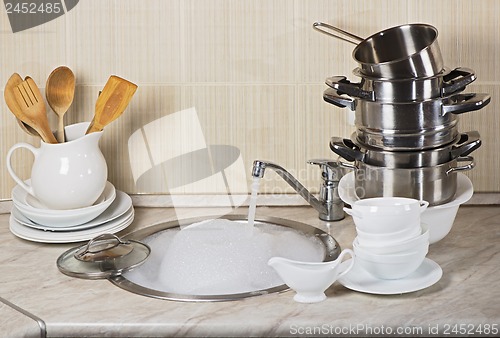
(31, 220)
(391, 245)
(406, 107)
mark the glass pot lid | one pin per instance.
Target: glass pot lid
(102, 257)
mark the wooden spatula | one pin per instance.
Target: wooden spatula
(32, 105)
(113, 100)
(14, 107)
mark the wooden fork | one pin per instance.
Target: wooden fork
(32, 105)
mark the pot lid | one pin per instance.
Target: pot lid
(102, 257)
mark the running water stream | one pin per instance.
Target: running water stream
(253, 201)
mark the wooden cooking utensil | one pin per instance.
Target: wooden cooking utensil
(30, 100)
(11, 101)
(60, 91)
(113, 100)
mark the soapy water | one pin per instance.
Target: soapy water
(220, 257)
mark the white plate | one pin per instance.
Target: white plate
(41, 236)
(360, 280)
(120, 205)
(62, 218)
(464, 192)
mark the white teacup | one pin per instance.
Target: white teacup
(384, 215)
(67, 175)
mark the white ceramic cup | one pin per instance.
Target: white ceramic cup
(67, 175)
(399, 247)
(384, 215)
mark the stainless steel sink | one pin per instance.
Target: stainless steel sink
(331, 250)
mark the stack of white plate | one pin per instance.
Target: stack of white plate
(31, 220)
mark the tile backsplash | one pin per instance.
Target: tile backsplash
(251, 73)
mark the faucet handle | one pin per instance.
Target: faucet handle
(330, 170)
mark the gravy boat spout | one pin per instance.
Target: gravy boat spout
(310, 279)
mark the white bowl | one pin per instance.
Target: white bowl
(369, 239)
(416, 243)
(388, 205)
(383, 215)
(440, 218)
(62, 218)
(390, 266)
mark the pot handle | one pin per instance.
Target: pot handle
(457, 80)
(344, 86)
(468, 142)
(346, 148)
(464, 167)
(345, 165)
(330, 95)
(351, 38)
(462, 103)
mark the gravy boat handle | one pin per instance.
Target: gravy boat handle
(341, 256)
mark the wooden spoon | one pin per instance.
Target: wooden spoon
(60, 91)
(32, 105)
(11, 101)
(111, 103)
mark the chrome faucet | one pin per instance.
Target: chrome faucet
(329, 205)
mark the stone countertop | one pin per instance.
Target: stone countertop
(466, 297)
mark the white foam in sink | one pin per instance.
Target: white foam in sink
(221, 257)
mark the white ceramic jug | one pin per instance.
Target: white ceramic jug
(309, 279)
(67, 175)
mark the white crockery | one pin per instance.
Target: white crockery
(440, 218)
(413, 244)
(358, 279)
(384, 215)
(120, 205)
(310, 279)
(41, 236)
(62, 218)
(370, 239)
(390, 266)
(67, 175)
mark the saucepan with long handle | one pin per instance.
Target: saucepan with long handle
(406, 51)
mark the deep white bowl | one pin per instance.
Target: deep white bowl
(390, 266)
(369, 239)
(413, 244)
(440, 218)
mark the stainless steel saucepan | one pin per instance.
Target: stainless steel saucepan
(406, 51)
(408, 125)
(351, 150)
(404, 90)
(435, 184)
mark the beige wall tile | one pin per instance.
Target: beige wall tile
(253, 70)
(239, 41)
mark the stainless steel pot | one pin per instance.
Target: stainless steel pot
(436, 185)
(406, 51)
(350, 150)
(404, 90)
(408, 125)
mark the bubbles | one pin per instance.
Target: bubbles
(221, 257)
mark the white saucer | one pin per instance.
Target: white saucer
(41, 236)
(360, 280)
(62, 218)
(120, 205)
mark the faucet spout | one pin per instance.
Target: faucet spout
(259, 167)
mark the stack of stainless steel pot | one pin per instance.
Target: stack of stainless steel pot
(407, 108)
